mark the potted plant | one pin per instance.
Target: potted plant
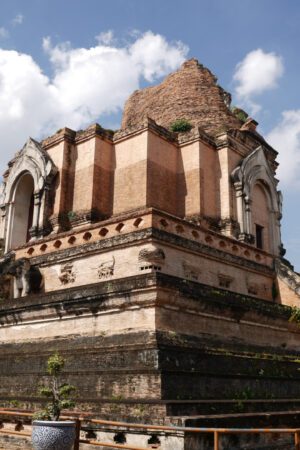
(48, 433)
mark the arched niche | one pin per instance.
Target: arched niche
(254, 183)
(261, 213)
(24, 195)
(22, 211)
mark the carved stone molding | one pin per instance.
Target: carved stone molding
(106, 268)
(67, 274)
(256, 288)
(26, 278)
(225, 280)
(151, 257)
(253, 288)
(226, 226)
(190, 271)
(152, 254)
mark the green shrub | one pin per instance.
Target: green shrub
(239, 113)
(181, 126)
(295, 315)
(59, 395)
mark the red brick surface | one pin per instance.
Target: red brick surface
(191, 93)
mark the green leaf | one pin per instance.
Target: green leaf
(55, 364)
(65, 390)
(45, 391)
(66, 404)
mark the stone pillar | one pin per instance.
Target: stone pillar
(8, 225)
(248, 221)
(2, 221)
(36, 214)
(243, 206)
(43, 210)
(240, 206)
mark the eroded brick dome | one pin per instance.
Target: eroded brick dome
(191, 93)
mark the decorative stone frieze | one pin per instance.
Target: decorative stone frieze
(5, 278)
(25, 278)
(152, 254)
(106, 269)
(190, 271)
(67, 274)
(252, 288)
(225, 280)
(151, 257)
(256, 288)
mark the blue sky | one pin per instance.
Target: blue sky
(41, 85)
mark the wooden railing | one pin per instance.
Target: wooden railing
(79, 418)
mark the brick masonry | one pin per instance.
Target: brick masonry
(191, 93)
(160, 304)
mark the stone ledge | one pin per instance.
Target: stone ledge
(96, 292)
(147, 233)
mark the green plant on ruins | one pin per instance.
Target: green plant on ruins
(239, 113)
(71, 215)
(59, 395)
(181, 126)
(295, 315)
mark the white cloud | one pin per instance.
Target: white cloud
(3, 32)
(258, 72)
(285, 137)
(105, 38)
(18, 20)
(154, 56)
(87, 83)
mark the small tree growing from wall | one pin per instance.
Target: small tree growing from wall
(59, 395)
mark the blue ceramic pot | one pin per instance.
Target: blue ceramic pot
(48, 435)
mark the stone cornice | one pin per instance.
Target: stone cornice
(146, 234)
(212, 252)
(243, 142)
(196, 134)
(148, 124)
(93, 131)
(76, 137)
(65, 134)
(92, 296)
(180, 139)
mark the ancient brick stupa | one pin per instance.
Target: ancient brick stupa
(190, 93)
(152, 260)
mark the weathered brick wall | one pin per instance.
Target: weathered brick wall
(107, 371)
(204, 339)
(191, 93)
